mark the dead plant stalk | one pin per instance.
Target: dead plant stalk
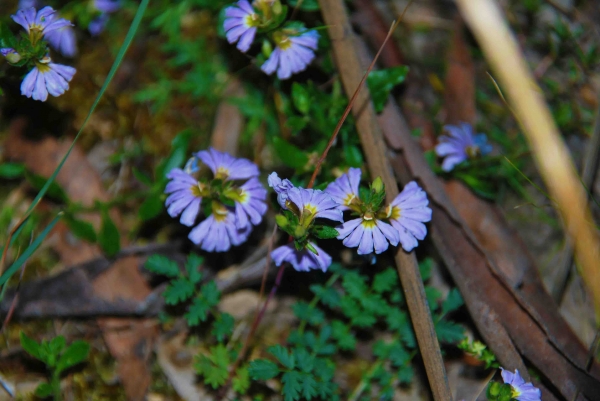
(551, 155)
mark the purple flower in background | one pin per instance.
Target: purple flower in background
(219, 232)
(98, 24)
(345, 188)
(107, 6)
(185, 196)
(460, 145)
(11, 54)
(251, 204)
(520, 390)
(240, 24)
(226, 167)
(47, 78)
(303, 260)
(281, 187)
(368, 234)
(42, 21)
(407, 213)
(27, 4)
(313, 203)
(63, 40)
(292, 54)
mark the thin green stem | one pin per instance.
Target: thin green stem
(55, 383)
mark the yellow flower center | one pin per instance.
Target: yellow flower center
(472, 151)
(282, 41)
(219, 211)
(222, 173)
(199, 190)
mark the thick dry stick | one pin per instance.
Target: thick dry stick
(551, 155)
(348, 63)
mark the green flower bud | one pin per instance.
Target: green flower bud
(493, 390)
(277, 8)
(281, 221)
(299, 232)
(378, 186)
(267, 48)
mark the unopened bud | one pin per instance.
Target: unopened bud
(277, 8)
(11, 55)
(267, 49)
(378, 186)
(281, 221)
(494, 389)
(299, 232)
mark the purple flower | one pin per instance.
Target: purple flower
(520, 390)
(11, 54)
(292, 54)
(42, 22)
(368, 234)
(303, 260)
(281, 187)
(219, 231)
(407, 213)
(98, 24)
(107, 6)
(47, 78)
(226, 167)
(63, 40)
(27, 4)
(460, 144)
(345, 188)
(250, 203)
(240, 24)
(313, 203)
(185, 196)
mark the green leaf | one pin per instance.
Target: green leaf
(178, 156)
(355, 285)
(142, 177)
(291, 385)
(44, 390)
(57, 344)
(76, 353)
(449, 332)
(263, 369)
(433, 295)
(405, 374)
(210, 292)
(192, 267)
(309, 386)
(241, 381)
(452, 302)
(162, 265)
(312, 316)
(289, 154)
(32, 347)
(180, 290)
(109, 238)
(325, 232)
(223, 326)
(353, 156)
(81, 229)
(197, 312)
(214, 376)
(11, 170)
(342, 334)
(385, 281)
(305, 5)
(328, 295)
(382, 82)
(304, 360)
(425, 267)
(151, 207)
(54, 190)
(300, 98)
(283, 356)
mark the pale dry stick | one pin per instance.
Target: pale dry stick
(500, 48)
(348, 63)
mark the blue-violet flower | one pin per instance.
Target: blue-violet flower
(281, 188)
(219, 231)
(460, 145)
(292, 54)
(47, 77)
(241, 24)
(303, 260)
(345, 188)
(407, 213)
(226, 167)
(185, 196)
(63, 40)
(40, 22)
(520, 390)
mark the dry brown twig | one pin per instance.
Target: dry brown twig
(348, 64)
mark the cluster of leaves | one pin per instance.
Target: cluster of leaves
(57, 357)
(348, 309)
(479, 350)
(499, 392)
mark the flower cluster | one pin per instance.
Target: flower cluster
(514, 388)
(461, 144)
(289, 49)
(45, 77)
(233, 201)
(372, 229)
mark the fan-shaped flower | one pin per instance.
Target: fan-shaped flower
(41, 22)
(407, 213)
(226, 167)
(219, 231)
(460, 144)
(520, 390)
(368, 233)
(293, 53)
(303, 260)
(240, 24)
(47, 78)
(250, 203)
(27, 4)
(281, 187)
(313, 203)
(63, 40)
(185, 196)
(345, 188)
(107, 6)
